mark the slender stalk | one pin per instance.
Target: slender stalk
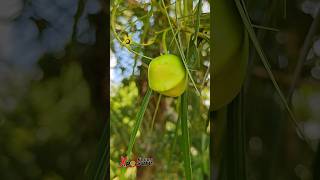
(205, 77)
(164, 44)
(173, 146)
(265, 28)
(136, 127)
(185, 136)
(266, 64)
(303, 54)
(97, 169)
(233, 155)
(113, 15)
(180, 50)
(156, 111)
(198, 19)
(138, 122)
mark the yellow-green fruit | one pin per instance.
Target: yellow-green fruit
(167, 75)
(230, 53)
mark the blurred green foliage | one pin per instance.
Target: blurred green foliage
(47, 135)
(274, 148)
(145, 22)
(53, 88)
(158, 143)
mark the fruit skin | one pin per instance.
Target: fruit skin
(230, 53)
(228, 84)
(167, 75)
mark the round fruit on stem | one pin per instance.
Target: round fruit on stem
(167, 75)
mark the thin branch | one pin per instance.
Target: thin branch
(303, 54)
(283, 78)
(265, 28)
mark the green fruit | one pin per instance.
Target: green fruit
(228, 33)
(228, 84)
(230, 53)
(167, 75)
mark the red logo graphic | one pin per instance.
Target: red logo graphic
(140, 162)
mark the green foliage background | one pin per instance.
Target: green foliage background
(274, 148)
(50, 125)
(162, 142)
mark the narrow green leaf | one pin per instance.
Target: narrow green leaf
(265, 28)
(97, 169)
(173, 145)
(193, 55)
(231, 158)
(138, 122)
(185, 136)
(136, 127)
(199, 9)
(155, 111)
(266, 64)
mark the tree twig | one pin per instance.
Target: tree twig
(283, 78)
(303, 54)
